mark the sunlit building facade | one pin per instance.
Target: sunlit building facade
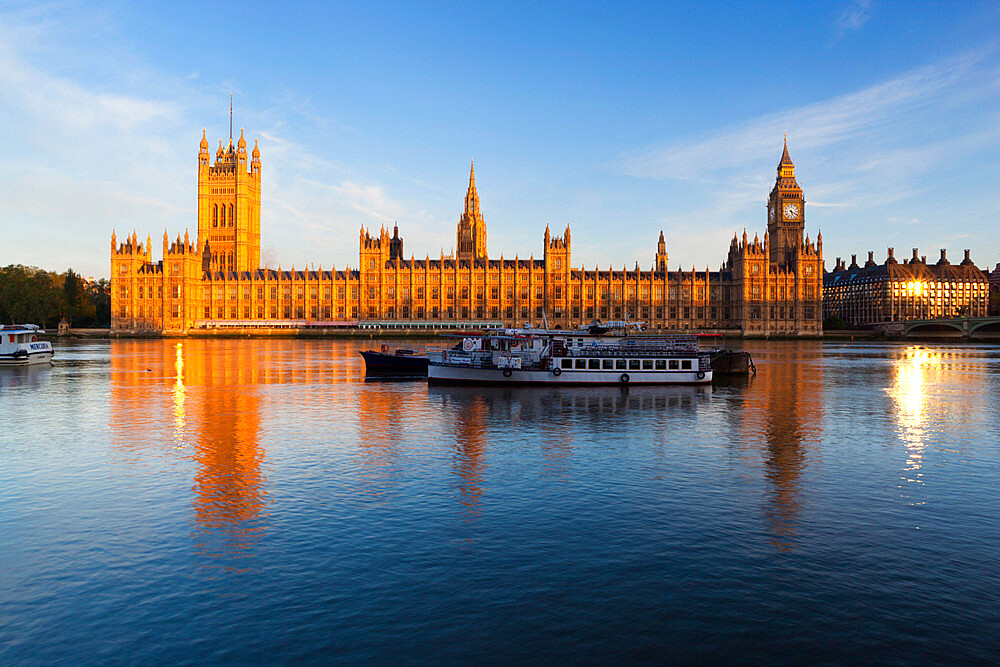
(764, 287)
(910, 290)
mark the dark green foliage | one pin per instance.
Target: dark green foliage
(835, 321)
(29, 295)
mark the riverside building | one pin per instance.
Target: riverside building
(764, 287)
(908, 290)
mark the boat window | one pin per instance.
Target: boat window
(661, 364)
(594, 364)
(619, 364)
(567, 363)
(633, 364)
(647, 364)
(607, 364)
(581, 363)
(685, 364)
(674, 364)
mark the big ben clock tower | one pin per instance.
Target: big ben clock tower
(786, 213)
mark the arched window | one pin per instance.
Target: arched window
(215, 215)
(232, 218)
(222, 218)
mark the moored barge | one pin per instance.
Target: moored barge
(537, 356)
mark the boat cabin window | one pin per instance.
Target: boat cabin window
(581, 363)
(633, 364)
(661, 364)
(566, 363)
(607, 364)
(647, 364)
(594, 364)
(619, 364)
(674, 364)
(685, 364)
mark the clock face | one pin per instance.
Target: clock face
(770, 213)
(791, 211)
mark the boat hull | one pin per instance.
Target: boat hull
(441, 374)
(29, 360)
(379, 363)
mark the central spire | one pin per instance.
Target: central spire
(472, 196)
(471, 226)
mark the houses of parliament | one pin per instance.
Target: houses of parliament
(769, 286)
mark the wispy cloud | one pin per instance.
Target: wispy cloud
(110, 154)
(853, 17)
(860, 156)
(867, 112)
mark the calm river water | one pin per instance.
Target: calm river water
(256, 500)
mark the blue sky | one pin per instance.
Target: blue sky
(619, 119)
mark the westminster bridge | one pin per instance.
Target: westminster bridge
(959, 328)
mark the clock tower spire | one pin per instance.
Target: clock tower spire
(786, 213)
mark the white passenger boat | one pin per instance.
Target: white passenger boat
(19, 346)
(537, 356)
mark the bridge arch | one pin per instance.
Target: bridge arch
(934, 330)
(985, 329)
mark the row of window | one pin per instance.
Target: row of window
(625, 364)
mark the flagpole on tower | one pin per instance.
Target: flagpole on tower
(230, 119)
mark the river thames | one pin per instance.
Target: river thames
(258, 501)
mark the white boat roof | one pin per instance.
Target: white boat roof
(21, 328)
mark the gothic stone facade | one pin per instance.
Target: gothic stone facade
(764, 287)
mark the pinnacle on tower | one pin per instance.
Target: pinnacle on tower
(204, 140)
(785, 159)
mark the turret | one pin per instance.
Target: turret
(661, 254)
(203, 149)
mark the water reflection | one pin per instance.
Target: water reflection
(206, 395)
(783, 411)
(481, 418)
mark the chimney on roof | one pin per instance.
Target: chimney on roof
(854, 261)
(890, 259)
(944, 257)
(968, 260)
(923, 259)
(915, 258)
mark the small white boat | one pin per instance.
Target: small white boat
(538, 356)
(19, 346)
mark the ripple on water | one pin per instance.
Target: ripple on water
(233, 500)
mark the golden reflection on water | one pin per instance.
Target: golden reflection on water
(916, 369)
(470, 451)
(207, 399)
(206, 395)
(179, 394)
(783, 411)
